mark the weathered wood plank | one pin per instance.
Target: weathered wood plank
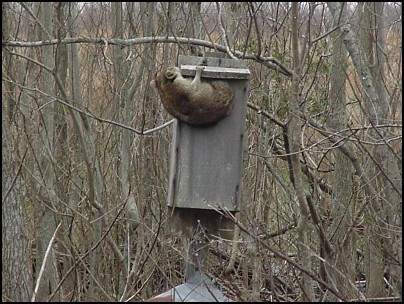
(216, 72)
(211, 61)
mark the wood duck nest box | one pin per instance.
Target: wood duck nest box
(206, 162)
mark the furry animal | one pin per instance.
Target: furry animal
(193, 101)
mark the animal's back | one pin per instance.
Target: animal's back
(203, 103)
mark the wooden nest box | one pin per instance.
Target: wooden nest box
(206, 162)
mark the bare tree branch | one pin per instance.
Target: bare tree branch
(270, 62)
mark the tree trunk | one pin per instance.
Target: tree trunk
(61, 68)
(46, 156)
(340, 263)
(16, 279)
(294, 134)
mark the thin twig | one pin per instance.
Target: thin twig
(104, 52)
(102, 120)
(225, 40)
(15, 178)
(265, 113)
(38, 281)
(88, 251)
(253, 15)
(35, 18)
(286, 258)
(326, 33)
